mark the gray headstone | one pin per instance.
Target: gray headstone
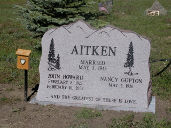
(109, 4)
(106, 68)
(106, 6)
(157, 7)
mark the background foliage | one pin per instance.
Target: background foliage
(40, 15)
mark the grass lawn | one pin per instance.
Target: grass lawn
(126, 14)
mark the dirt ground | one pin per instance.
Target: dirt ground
(15, 113)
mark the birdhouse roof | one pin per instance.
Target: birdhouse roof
(23, 52)
(156, 6)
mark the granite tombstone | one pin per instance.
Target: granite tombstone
(106, 6)
(106, 68)
(156, 9)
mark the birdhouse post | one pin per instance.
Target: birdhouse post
(23, 63)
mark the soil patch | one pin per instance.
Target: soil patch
(15, 113)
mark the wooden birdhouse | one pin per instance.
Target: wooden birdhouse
(23, 59)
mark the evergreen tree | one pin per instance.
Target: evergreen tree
(40, 15)
(51, 55)
(130, 59)
(57, 62)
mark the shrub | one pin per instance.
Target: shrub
(40, 15)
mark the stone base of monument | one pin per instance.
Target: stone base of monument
(151, 107)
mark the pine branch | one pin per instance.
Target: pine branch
(40, 15)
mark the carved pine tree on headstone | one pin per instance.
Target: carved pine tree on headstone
(130, 60)
(57, 62)
(51, 56)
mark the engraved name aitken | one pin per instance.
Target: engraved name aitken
(94, 50)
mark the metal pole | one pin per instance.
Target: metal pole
(25, 85)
